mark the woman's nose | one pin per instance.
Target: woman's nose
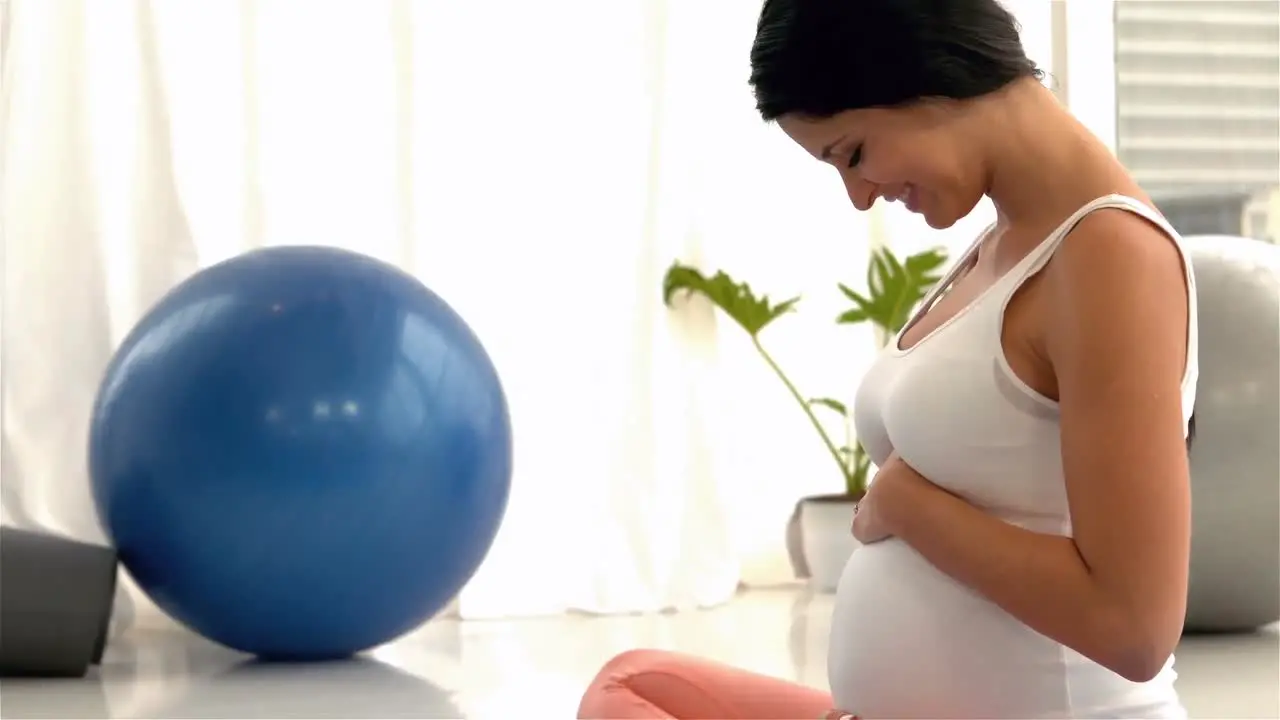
(861, 193)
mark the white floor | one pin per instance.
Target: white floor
(532, 668)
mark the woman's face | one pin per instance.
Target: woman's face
(926, 156)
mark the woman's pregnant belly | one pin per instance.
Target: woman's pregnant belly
(909, 641)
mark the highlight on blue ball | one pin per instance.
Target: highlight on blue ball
(301, 453)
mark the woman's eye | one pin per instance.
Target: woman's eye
(856, 156)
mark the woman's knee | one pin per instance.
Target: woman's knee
(658, 683)
(609, 694)
(628, 664)
(661, 684)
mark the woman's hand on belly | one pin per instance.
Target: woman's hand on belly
(887, 496)
(868, 526)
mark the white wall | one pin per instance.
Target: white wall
(1088, 32)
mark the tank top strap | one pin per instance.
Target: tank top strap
(957, 270)
(1035, 261)
(1040, 256)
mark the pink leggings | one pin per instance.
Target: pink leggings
(653, 684)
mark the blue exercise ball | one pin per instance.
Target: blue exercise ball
(301, 453)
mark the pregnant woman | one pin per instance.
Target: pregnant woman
(1026, 538)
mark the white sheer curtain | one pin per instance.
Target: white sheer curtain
(538, 164)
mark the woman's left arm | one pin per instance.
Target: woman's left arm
(1117, 340)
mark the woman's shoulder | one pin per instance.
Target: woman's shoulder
(1121, 284)
(1119, 239)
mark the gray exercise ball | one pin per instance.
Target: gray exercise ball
(1235, 458)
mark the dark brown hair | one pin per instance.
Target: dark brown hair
(817, 58)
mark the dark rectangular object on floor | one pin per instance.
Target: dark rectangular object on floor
(56, 598)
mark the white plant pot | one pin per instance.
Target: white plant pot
(826, 537)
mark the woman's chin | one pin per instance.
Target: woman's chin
(936, 222)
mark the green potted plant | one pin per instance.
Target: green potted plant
(818, 536)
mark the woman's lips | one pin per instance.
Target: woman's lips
(911, 198)
(908, 195)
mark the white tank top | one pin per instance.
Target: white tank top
(909, 641)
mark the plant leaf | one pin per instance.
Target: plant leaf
(865, 308)
(878, 280)
(894, 288)
(852, 317)
(896, 268)
(851, 293)
(923, 263)
(831, 404)
(859, 467)
(736, 299)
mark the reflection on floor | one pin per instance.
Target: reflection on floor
(532, 668)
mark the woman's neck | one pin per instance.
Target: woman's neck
(1053, 166)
